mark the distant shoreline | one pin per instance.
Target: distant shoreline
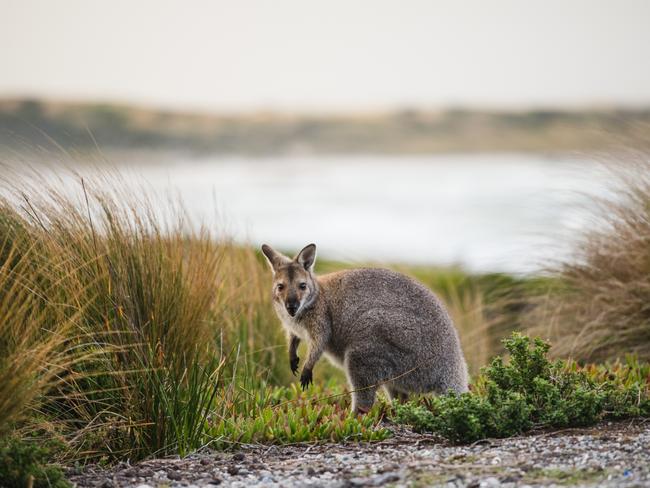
(85, 127)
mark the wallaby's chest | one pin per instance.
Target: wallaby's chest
(291, 325)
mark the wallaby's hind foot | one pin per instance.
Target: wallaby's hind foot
(363, 380)
(363, 400)
(396, 395)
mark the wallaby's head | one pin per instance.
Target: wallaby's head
(293, 280)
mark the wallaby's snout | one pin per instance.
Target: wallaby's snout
(292, 305)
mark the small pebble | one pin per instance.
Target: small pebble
(175, 475)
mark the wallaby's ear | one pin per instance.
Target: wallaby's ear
(307, 257)
(273, 257)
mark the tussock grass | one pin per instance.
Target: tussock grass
(32, 346)
(149, 315)
(600, 309)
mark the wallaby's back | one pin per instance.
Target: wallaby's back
(385, 314)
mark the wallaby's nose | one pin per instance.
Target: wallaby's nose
(292, 307)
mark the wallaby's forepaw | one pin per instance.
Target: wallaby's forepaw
(306, 378)
(293, 362)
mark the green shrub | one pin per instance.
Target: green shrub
(530, 392)
(21, 461)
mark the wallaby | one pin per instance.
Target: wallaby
(381, 327)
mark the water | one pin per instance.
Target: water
(509, 212)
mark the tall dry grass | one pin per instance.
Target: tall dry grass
(32, 346)
(600, 309)
(156, 316)
(468, 310)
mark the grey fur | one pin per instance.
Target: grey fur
(381, 327)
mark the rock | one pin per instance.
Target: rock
(385, 478)
(355, 482)
(207, 481)
(174, 475)
(457, 480)
(490, 482)
(129, 472)
(511, 478)
(239, 457)
(388, 467)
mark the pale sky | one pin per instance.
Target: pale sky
(328, 54)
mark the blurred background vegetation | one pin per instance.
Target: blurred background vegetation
(26, 123)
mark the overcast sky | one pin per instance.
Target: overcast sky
(329, 54)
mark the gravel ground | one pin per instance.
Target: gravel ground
(611, 455)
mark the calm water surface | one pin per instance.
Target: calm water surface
(485, 212)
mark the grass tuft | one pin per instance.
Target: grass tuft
(600, 309)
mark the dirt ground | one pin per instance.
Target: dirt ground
(611, 455)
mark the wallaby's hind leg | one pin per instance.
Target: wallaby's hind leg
(365, 376)
(394, 394)
(363, 399)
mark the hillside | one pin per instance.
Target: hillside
(30, 123)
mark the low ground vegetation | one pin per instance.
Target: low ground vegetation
(28, 464)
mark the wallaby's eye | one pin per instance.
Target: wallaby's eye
(280, 287)
(303, 286)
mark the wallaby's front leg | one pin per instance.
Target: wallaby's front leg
(316, 348)
(294, 341)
